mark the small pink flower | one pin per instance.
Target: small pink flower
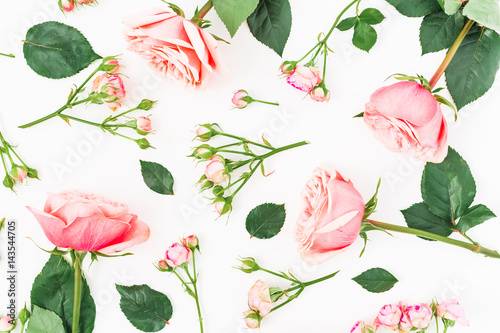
(389, 317)
(320, 94)
(144, 124)
(113, 64)
(190, 241)
(304, 78)
(111, 85)
(6, 323)
(250, 319)
(201, 132)
(163, 264)
(360, 327)
(238, 99)
(287, 68)
(177, 254)
(452, 310)
(219, 206)
(18, 174)
(259, 298)
(216, 170)
(415, 317)
(67, 5)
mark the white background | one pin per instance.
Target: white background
(110, 167)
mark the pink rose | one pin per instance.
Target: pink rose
(177, 254)
(87, 222)
(112, 86)
(332, 210)
(259, 298)
(67, 5)
(320, 94)
(190, 241)
(389, 317)
(144, 124)
(304, 78)
(406, 117)
(19, 174)
(216, 170)
(238, 99)
(82, 2)
(361, 327)
(415, 317)
(174, 45)
(251, 319)
(6, 324)
(452, 310)
(163, 264)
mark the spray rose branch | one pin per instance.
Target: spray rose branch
(262, 299)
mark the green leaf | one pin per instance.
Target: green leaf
(371, 16)
(376, 280)
(474, 216)
(450, 7)
(147, 309)
(448, 188)
(53, 290)
(438, 31)
(472, 70)
(56, 50)
(364, 36)
(347, 24)
(271, 23)
(266, 220)
(157, 178)
(420, 217)
(415, 8)
(233, 12)
(44, 321)
(484, 12)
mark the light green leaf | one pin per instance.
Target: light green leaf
(485, 12)
(266, 220)
(474, 216)
(44, 321)
(371, 16)
(376, 280)
(438, 31)
(56, 50)
(234, 12)
(415, 8)
(450, 7)
(157, 178)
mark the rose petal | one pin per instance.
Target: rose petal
(52, 227)
(139, 233)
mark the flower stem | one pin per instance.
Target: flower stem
(205, 9)
(235, 152)
(279, 150)
(244, 140)
(471, 247)
(79, 256)
(119, 115)
(8, 55)
(451, 53)
(47, 117)
(194, 281)
(264, 102)
(338, 19)
(77, 91)
(247, 178)
(279, 275)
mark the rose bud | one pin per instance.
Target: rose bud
(146, 105)
(259, 298)
(203, 152)
(304, 78)
(33, 173)
(320, 93)
(143, 125)
(191, 242)
(143, 143)
(331, 216)
(177, 254)
(24, 315)
(218, 191)
(416, 318)
(223, 205)
(452, 310)
(19, 173)
(109, 89)
(389, 317)
(288, 67)
(66, 5)
(6, 324)
(406, 118)
(109, 65)
(216, 170)
(241, 99)
(249, 265)
(162, 266)
(205, 132)
(205, 183)
(9, 182)
(252, 319)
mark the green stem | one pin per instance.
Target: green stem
(79, 256)
(182, 281)
(8, 55)
(77, 91)
(47, 117)
(229, 145)
(338, 19)
(471, 247)
(236, 152)
(437, 324)
(18, 157)
(325, 62)
(279, 150)
(194, 281)
(264, 102)
(118, 116)
(287, 301)
(279, 275)
(22, 327)
(451, 53)
(233, 183)
(247, 178)
(244, 140)
(4, 165)
(204, 10)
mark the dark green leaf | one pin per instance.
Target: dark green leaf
(371, 16)
(271, 23)
(415, 8)
(376, 280)
(472, 70)
(474, 216)
(266, 220)
(347, 24)
(420, 217)
(233, 12)
(147, 309)
(448, 188)
(56, 50)
(484, 12)
(364, 36)
(450, 7)
(53, 290)
(44, 321)
(157, 178)
(438, 31)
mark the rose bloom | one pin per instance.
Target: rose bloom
(389, 317)
(5, 324)
(259, 298)
(144, 124)
(416, 317)
(87, 222)
(216, 170)
(177, 254)
(175, 46)
(452, 310)
(251, 323)
(190, 241)
(67, 5)
(320, 94)
(304, 78)
(112, 85)
(332, 210)
(237, 99)
(406, 117)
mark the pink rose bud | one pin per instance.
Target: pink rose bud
(222, 205)
(452, 310)
(361, 327)
(144, 124)
(216, 171)
(66, 5)
(330, 221)
(320, 94)
(288, 67)
(416, 317)
(203, 152)
(82, 2)
(406, 118)
(251, 319)
(110, 65)
(240, 99)
(163, 266)
(19, 173)
(389, 317)
(259, 298)
(304, 78)
(111, 86)
(6, 324)
(205, 132)
(177, 254)
(249, 265)
(190, 242)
